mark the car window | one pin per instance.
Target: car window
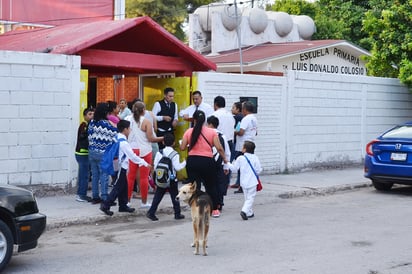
(399, 132)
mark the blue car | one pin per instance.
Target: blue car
(388, 158)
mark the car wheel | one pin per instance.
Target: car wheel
(6, 245)
(382, 186)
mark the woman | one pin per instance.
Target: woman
(113, 115)
(100, 134)
(140, 138)
(200, 165)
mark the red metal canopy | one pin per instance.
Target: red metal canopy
(128, 46)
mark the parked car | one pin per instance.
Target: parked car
(388, 158)
(21, 224)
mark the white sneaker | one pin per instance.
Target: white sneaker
(128, 204)
(146, 205)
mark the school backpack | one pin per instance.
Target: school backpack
(110, 163)
(163, 173)
(216, 155)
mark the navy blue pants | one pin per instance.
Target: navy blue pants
(158, 196)
(119, 191)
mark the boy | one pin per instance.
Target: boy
(82, 157)
(119, 190)
(222, 174)
(248, 180)
(169, 141)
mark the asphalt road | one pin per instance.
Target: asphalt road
(357, 231)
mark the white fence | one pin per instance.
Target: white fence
(305, 119)
(313, 120)
(39, 99)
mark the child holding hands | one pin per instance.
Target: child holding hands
(248, 180)
(168, 141)
(120, 190)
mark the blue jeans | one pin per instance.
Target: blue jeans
(98, 176)
(83, 174)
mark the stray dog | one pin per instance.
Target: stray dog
(201, 209)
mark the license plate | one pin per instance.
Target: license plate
(398, 156)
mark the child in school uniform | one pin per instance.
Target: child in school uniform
(168, 141)
(248, 180)
(120, 190)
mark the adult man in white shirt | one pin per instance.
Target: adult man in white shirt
(248, 126)
(248, 129)
(187, 113)
(226, 120)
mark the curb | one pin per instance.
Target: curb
(322, 191)
(101, 219)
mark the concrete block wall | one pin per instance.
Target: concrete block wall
(308, 120)
(271, 95)
(39, 98)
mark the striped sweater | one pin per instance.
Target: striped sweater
(100, 134)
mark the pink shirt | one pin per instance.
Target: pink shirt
(113, 118)
(201, 148)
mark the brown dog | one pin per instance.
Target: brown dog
(201, 208)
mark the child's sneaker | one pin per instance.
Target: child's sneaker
(215, 213)
(145, 205)
(83, 198)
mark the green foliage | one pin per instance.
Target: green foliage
(295, 7)
(389, 25)
(170, 14)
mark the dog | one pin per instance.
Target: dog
(201, 210)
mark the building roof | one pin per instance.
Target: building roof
(271, 51)
(135, 45)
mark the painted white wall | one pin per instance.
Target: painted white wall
(39, 98)
(310, 119)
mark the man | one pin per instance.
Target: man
(187, 113)
(247, 131)
(124, 111)
(226, 120)
(166, 114)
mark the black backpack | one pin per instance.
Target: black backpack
(216, 155)
(163, 173)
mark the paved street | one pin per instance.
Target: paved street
(353, 231)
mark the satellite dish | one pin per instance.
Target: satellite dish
(205, 14)
(306, 26)
(258, 20)
(283, 22)
(231, 17)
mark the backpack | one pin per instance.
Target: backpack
(110, 163)
(216, 155)
(163, 173)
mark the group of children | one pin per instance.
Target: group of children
(248, 164)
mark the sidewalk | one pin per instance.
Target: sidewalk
(65, 210)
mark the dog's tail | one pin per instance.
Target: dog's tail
(204, 214)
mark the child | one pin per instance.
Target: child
(119, 190)
(222, 174)
(82, 157)
(248, 180)
(169, 141)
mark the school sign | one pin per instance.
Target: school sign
(321, 56)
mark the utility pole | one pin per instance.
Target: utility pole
(238, 38)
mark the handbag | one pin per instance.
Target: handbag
(259, 186)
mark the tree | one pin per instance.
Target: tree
(389, 25)
(170, 14)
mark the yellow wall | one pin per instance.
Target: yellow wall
(84, 79)
(153, 91)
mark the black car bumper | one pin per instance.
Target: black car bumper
(28, 230)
